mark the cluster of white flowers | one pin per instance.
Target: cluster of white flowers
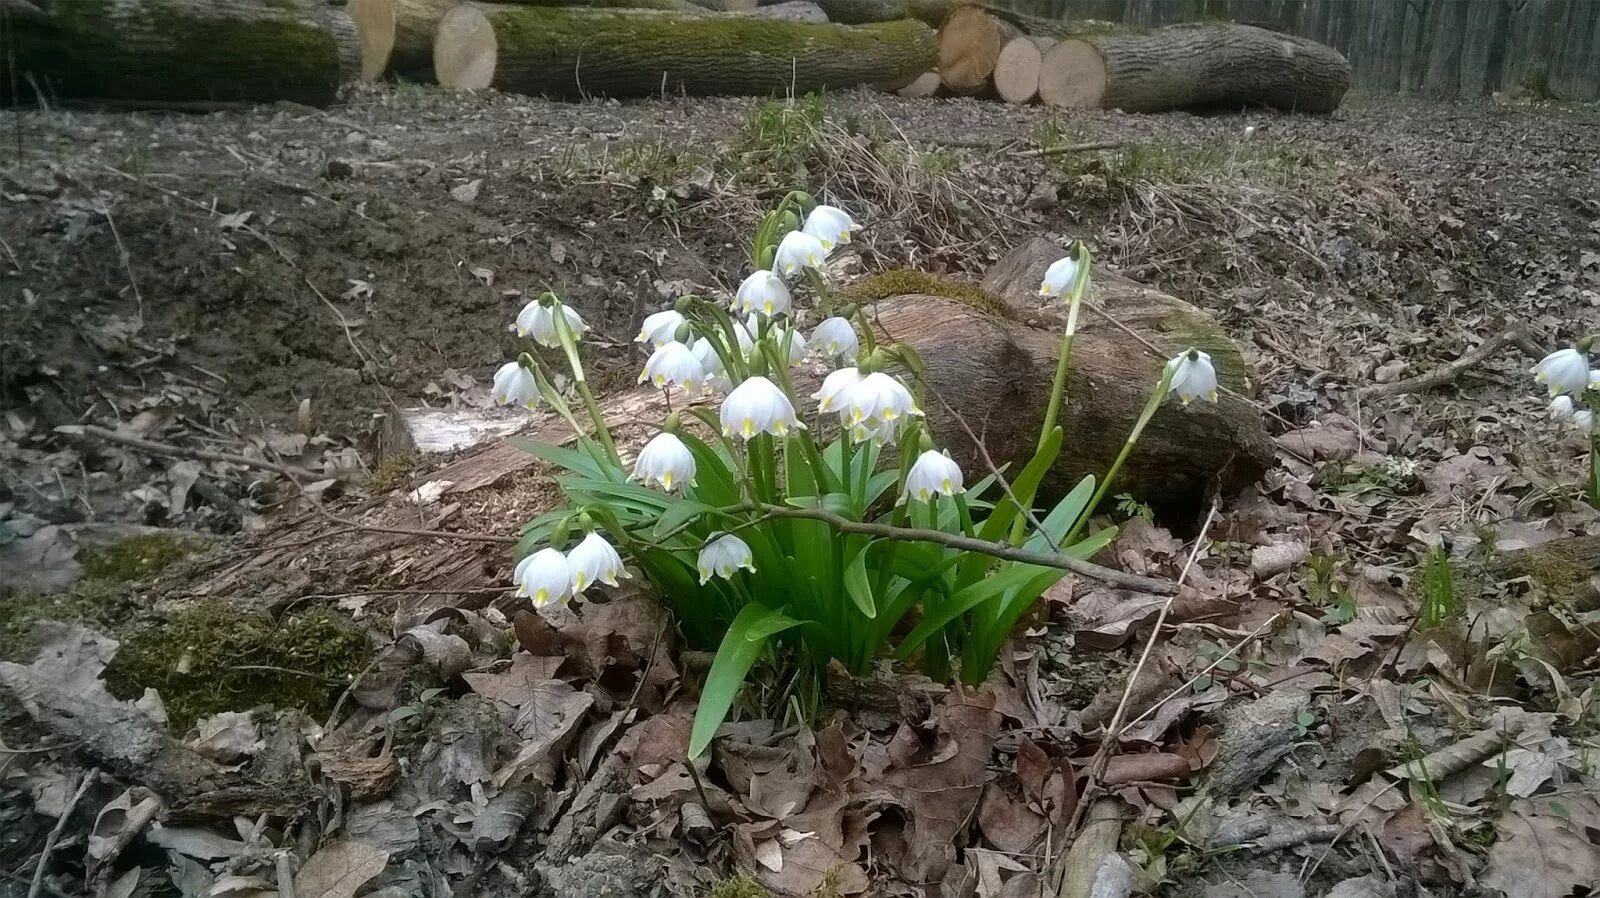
(549, 576)
(1574, 386)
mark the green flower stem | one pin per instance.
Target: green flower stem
(1150, 408)
(1080, 285)
(569, 345)
(548, 390)
(1594, 452)
(820, 287)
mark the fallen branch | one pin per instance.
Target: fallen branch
(1515, 335)
(1069, 149)
(55, 834)
(89, 431)
(1297, 835)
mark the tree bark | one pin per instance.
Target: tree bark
(995, 371)
(865, 12)
(1194, 66)
(789, 11)
(926, 84)
(1016, 72)
(969, 46)
(573, 52)
(184, 51)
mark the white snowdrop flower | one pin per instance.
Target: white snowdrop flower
(877, 399)
(716, 371)
(544, 577)
(539, 322)
(833, 388)
(515, 385)
(674, 364)
(662, 327)
(1059, 277)
(1563, 371)
(724, 555)
(835, 338)
(884, 433)
(665, 460)
(792, 338)
(934, 473)
(593, 560)
(1562, 407)
(830, 225)
(1193, 377)
(1583, 419)
(798, 250)
(762, 292)
(758, 406)
(1594, 379)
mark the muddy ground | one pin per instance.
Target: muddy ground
(290, 284)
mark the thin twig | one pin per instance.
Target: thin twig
(55, 834)
(17, 877)
(167, 449)
(1069, 149)
(1447, 372)
(1097, 767)
(1215, 663)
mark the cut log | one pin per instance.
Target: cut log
(865, 12)
(1016, 72)
(580, 52)
(926, 84)
(789, 11)
(128, 52)
(397, 36)
(1194, 67)
(994, 371)
(969, 46)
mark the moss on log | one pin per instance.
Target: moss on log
(1194, 67)
(995, 373)
(579, 52)
(184, 51)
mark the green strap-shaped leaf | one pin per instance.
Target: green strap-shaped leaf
(560, 456)
(858, 586)
(741, 646)
(965, 600)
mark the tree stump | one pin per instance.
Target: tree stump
(969, 46)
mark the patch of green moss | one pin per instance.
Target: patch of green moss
(1558, 567)
(214, 657)
(739, 885)
(137, 557)
(390, 473)
(99, 604)
(903, 281)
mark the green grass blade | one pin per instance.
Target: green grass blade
(746, 637)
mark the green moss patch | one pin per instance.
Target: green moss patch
(136, 558)
(903, 281)
(213, 657)
(99, 604)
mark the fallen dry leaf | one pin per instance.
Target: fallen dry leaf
(1541, 856)
(339, 870)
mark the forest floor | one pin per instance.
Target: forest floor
(323, 291)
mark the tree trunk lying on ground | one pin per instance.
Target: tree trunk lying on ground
(926, 84)
(864, 12)
(1194, 66)
(133, 52)
(969, 46)
(995, 370)
(580, 52)
(1016, 71)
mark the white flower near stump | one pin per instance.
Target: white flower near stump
(1059, 277)
(674, 365)
(660, 328)
(1193, 377)
(665, 461)
(1563, 371)
(758, 406)
(933, 474)
(762, 292)
(830, 225)
(544, 577)
(798, 250)
(515, 385)
(593, 560)
(538, 321)
(835, 339)
(724, 555)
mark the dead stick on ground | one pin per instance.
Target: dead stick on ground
(1068, 149)
(1448, 372)
(37, 885)
(1097, 767)
(171, 451)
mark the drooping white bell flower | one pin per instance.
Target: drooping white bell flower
(674, 364)
(1563, 371)
(798, 250)
(515, 385)
(539, 322)
(1583, 419)
(1594, 379)
(877, 399)
(831, 226)
(593, 560)
(716, 371)
(835, 338)
(762, 292)
(884, 433)
(544, 577)
(1193, 377)
(792, 338)
(724, 555)
(758, 406)
(934, 473)
(1562, 407)
(834, 387)
(662, 327)
(666, 461)
(1059, 277)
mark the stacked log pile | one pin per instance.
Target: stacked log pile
(202, 53)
